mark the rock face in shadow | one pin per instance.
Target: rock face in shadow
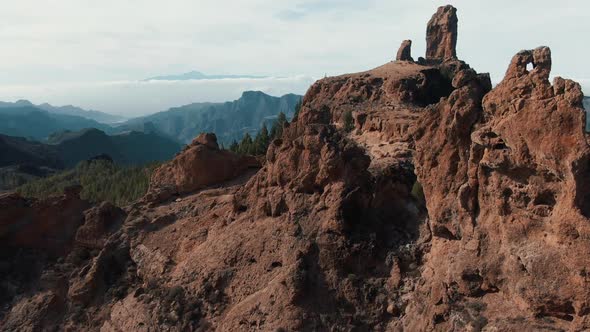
(41, 224)
(450, 206)
(441, 34)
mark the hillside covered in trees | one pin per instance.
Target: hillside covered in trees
(257, 146)
(101, 180)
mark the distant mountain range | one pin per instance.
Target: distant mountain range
(130, 147)
(38, 124)
(38, 140)
(195, 75)
(68, 110)
(229, 120)
(22, 160)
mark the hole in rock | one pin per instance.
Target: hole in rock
(490, 134)
(436, 84)
(530, 66)
(500, 146)
(545, 198)
(274, 265)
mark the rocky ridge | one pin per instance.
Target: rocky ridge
(333, 233)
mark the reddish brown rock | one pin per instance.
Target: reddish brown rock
(100, 222)
(200, 164)
(41, 224)
(506, 185)
(405, 51)
(441, 34)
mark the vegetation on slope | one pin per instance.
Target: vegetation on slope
(102, 180)
(263, 138)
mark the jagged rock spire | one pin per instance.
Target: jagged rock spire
(441, 34)
(405, 51)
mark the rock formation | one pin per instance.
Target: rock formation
(441, 34)
(199, 165)
(451, 206)
(405, 51)
(45, 225)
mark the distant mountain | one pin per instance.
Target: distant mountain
(229, 120)
(23, 160)
(68, 110)
(18, 150)
(88, 114)
(126, 148)
(195, 75)
(33, 122)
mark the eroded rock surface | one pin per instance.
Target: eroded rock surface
(441, 34)
(506, 183)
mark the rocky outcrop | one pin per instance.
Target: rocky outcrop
(199, 165)
(41, 224)
(506, 183)
(99, 223)
(405, 51)
(441, 34)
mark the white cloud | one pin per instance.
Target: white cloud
(55, 41)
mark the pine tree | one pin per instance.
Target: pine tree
(282, 119)
(278, 126)
(234, 147)
(245, 144)
(262, 140)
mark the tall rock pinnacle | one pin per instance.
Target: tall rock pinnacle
(405, 51)
(441, 34)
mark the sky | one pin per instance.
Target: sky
(95, 54)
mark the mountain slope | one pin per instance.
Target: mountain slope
(18, 150)
(126, 148)
(22, 160)
(230, 120)
(29, 121)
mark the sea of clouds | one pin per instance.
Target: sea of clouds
(136, 98)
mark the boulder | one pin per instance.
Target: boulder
(99, 222)
(201, 164)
